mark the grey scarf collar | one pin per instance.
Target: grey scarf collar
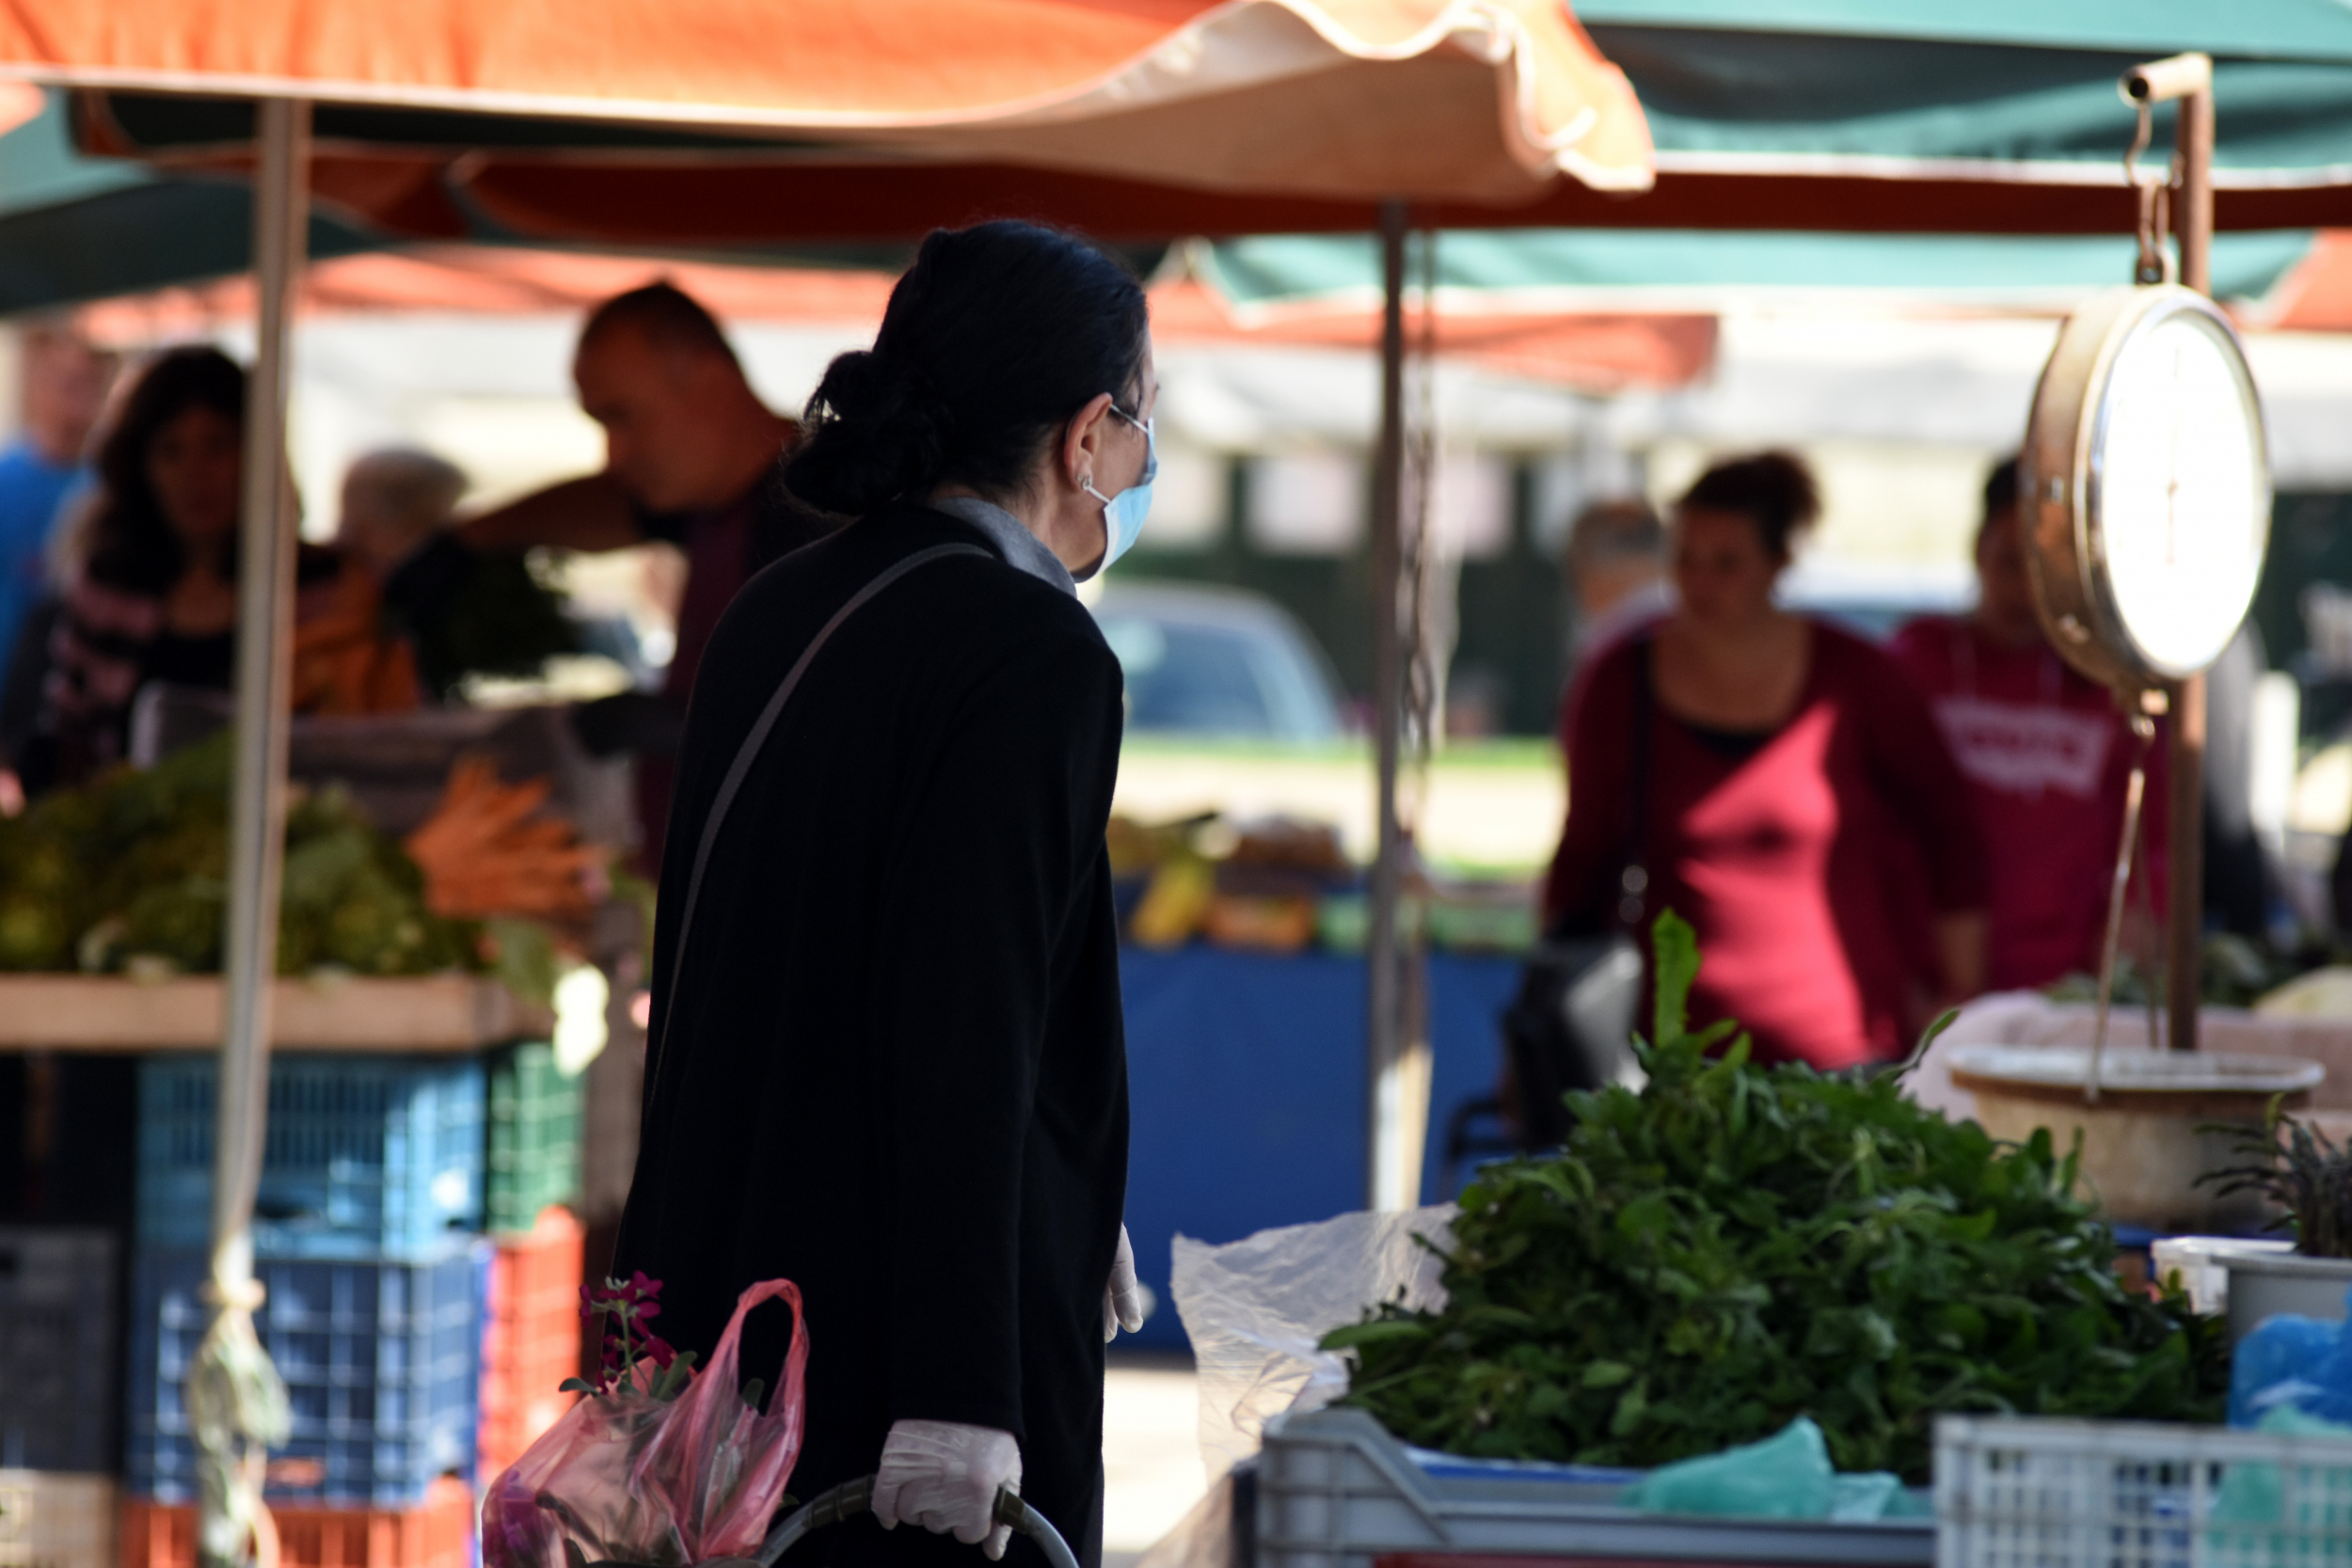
(1023, 550)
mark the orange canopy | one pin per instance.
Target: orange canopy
(1073, 105)
(2316, 295)
(1602, 351)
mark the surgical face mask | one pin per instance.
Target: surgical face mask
(1123, 514)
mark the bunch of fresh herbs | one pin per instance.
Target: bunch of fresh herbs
(1733, 1247)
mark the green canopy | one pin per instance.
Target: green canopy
(1547, 270)
(2006, 91)
(75, 228)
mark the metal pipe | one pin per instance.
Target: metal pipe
(2194, 219)
(265, 642)
(2175, 76)
(2191, 77)
(2186, 79)
(1383, 950)
(2184, 839)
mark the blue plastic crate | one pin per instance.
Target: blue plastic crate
(58, 1349)
(366, 1156)
(381, 1361)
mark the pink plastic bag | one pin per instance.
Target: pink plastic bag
(626, 1477)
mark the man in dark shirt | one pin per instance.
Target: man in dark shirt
(689, 450)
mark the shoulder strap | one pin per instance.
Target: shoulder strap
(749, 752)
(1633, 882)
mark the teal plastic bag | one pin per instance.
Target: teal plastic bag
(1787, 1476)
(2256, 1495)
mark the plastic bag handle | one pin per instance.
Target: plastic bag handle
(796, 1354)
(853, 1498)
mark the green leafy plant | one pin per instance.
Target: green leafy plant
(1733, 1247)
(131, 872)
(2300, 1168)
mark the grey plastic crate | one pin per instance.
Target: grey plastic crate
(58, 1350)
(2018, 1492)
(1335, 1490)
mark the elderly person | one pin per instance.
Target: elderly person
(1783, 758)
(886, 1060)
(1616, 569)
(394, 502)
(459, 612)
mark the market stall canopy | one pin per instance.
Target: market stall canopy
(1532, 273)
(74, 228)
(1576, 347)
(2316, 295)
(750, 120)
(1156, 121)
(1994, 117)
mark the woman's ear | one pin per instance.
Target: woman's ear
(1082, 442)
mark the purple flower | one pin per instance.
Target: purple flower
(659, 1351)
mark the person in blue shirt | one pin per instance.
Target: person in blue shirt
(65, 386)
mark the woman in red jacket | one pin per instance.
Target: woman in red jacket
(1784, 759)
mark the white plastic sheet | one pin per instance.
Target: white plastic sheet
(1256, 1308)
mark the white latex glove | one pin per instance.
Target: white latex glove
(945, 1477)
(1123, 1298)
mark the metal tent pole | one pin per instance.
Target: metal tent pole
(1387, 1157)
(266, 545)
(2188, 80)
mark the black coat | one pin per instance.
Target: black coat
(894, 1070)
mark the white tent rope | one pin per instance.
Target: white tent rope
(235, 1400)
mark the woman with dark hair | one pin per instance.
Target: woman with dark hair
(886, 1061)
(151, 595)
(1787, 763)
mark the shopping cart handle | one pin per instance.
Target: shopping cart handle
(853, 1498)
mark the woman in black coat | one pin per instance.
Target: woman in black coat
(889, 1065)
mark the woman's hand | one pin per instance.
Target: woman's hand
(1122, 1297)
(945, 1477)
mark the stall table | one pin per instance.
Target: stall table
(1246, 1091)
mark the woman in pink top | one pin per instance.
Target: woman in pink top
(1788, 763)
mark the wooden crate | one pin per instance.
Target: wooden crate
(110, 1013)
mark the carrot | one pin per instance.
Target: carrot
(493, 849)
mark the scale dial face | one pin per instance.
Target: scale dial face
(2147, 486)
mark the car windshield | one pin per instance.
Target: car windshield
(1221, 665)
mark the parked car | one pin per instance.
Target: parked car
(1217, 662)
(1874, 601)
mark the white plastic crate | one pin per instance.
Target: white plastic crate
(53, 1519)
(2022, 1493)
(1335, 1490)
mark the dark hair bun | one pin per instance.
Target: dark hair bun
(1774, 489)
(873, 435)
(993, 339)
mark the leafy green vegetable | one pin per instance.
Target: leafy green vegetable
(503, 616)
(1734, 1246)
(136, 866)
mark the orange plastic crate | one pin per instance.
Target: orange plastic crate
(437, 1534)
(530, 1337)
